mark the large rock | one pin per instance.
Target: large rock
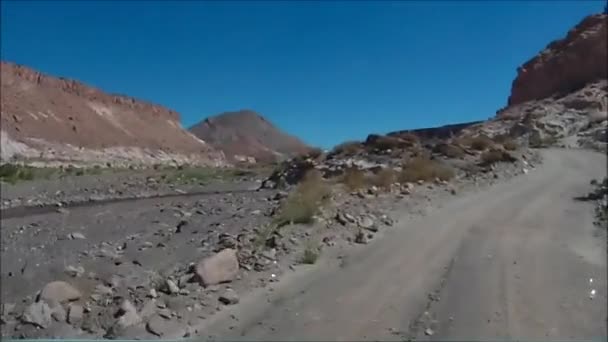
(38, 314)
(59, 291)
(219, 268)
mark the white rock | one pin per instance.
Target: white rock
(75, 314)
(60, 292)
(38, 314)
(219, 268)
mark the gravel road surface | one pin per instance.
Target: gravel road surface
(521, 260)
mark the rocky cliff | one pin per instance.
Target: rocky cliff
(565, 65)
(49, 118)
(247, 136)
(560, 97)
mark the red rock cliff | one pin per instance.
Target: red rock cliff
(565, 65)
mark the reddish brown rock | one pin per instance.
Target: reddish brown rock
(48, 113)
(245, 134)
(565, 65)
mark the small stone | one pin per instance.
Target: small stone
(38, 314)
(75, 314)
(76, 236)
(429, 332)
(229, 297)
(103, 290)
(367, 223)
(148, 309)
(60, 292)
(166, 313)
(58, 312)
(153, 293)
(162, 327)
(360, 237)
(129, 316)
(74, 271)
(184, 280)
(270, 254)
(171, 287)
(387, 220)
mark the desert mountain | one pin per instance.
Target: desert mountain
(245, 134)
(56, 119)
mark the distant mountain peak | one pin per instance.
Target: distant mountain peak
(246, 133)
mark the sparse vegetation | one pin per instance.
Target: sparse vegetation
(510, 145)
(384, 178)
(305, 201)
(383, 142)
(354, 179)
(424, 169)
(449, 150)
(537, 141)
(348, 148)
(203, 175)
(14, 173)
(481, 143)
(310, 255)
(495, 156)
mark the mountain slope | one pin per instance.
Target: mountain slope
(50, 118)
(244, 134)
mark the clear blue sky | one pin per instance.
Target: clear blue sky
(325, 71)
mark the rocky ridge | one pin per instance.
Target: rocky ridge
(46, 118)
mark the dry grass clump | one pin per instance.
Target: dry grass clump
(510, 145)
(349, 148)
(449, 150)
(384, 178)
(354, 179)
(305, 201)
(424, 169)
(383, 142)
(496, 156)
(481, 143)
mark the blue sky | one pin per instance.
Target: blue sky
(325, 71)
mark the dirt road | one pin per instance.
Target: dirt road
(518, 261)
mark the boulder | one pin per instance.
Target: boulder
(38, 314)
(60, 292)
(219, 268)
